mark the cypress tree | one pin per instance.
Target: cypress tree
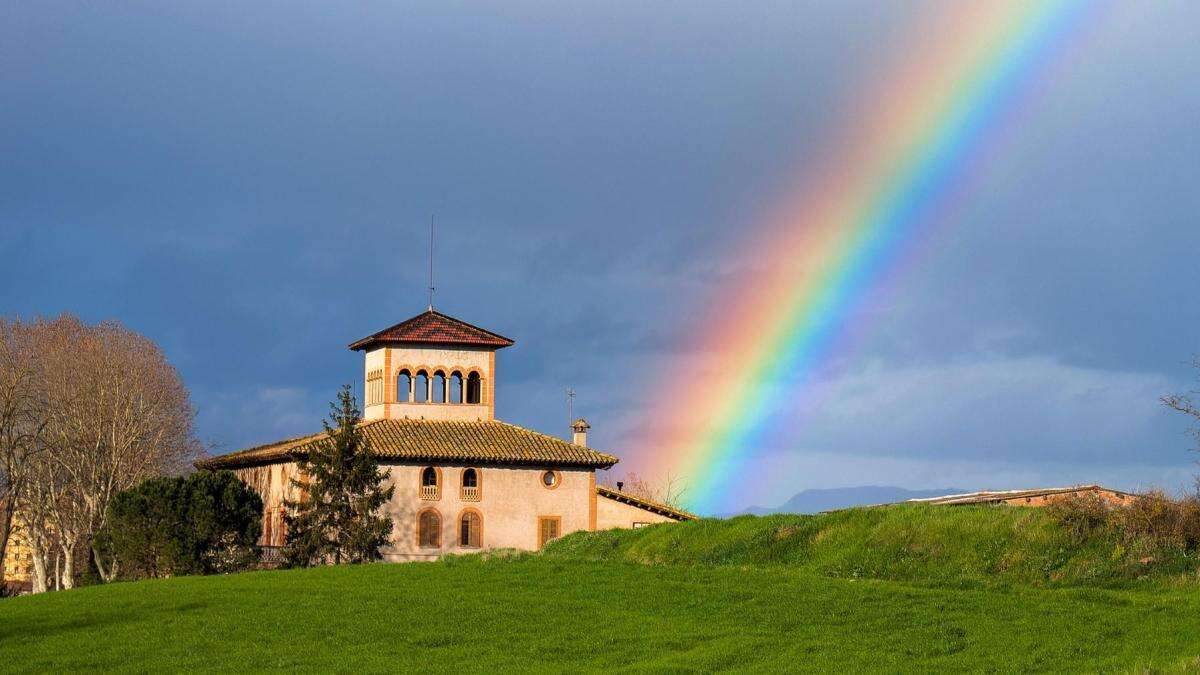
(341, 489)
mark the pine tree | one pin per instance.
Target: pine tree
(341, 486)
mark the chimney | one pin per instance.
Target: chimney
(580, 427)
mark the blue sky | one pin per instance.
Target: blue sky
(249, 184)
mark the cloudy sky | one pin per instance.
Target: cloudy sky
(250, 184)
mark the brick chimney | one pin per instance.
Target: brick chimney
(580, 427)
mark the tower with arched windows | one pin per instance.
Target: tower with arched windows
(431, 367)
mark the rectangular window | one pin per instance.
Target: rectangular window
(549, 529)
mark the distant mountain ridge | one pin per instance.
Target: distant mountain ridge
(826, 499)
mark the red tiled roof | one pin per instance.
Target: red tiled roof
(488, 441)
(433, 327)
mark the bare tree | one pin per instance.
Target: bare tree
(36, 507)
(1186, 404)
(115, 413)
(670, 491)
(20, 424)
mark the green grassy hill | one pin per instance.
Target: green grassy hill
(770, 594)
(932, 545)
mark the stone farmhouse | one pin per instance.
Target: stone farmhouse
(464, 481)
(18, 558)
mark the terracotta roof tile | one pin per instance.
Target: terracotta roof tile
(433, 327)
(435, 440)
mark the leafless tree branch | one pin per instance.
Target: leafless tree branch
(111, 412)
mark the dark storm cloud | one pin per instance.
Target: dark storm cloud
(250, 185)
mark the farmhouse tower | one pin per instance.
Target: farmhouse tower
(462, 481)
(431, 367)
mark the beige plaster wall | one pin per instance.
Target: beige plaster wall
(611, 513)
(1107, 496)
(273, 484)
(511, 501)
(461, 412)
(18, 564)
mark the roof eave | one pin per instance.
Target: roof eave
(221, 463)
(373, 340)
(645, 504)
(494, 339)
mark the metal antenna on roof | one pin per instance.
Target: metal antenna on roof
(571, 405)
(431, 287)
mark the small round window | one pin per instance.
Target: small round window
(550, 479)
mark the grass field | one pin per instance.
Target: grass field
(541, 614)
(593, 602)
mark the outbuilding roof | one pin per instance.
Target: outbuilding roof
(433, 327)
(996, 496)
(488, 441)
(643, 503)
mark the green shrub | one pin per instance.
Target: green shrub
(1152, 534)
(204, 523)
(1155, 521)
(1083, 516)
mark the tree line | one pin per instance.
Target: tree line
(97, 442)
(86, 411)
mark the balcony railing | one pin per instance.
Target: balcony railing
(431, 493)
(470, 493)
(270, 556)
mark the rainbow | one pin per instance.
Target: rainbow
(889, 179)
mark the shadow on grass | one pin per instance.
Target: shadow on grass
(53, 623)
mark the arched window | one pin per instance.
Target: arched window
(456, 387)
(404, 386)
(471, 489)
(474, 388)
(429, 529)
(470, 529)
(439, 387)
(431, 483)
(421, 387)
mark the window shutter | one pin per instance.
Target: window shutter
(430, 530)
(547, 530)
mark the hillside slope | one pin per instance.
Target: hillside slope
(533, 613)
(937, 545)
